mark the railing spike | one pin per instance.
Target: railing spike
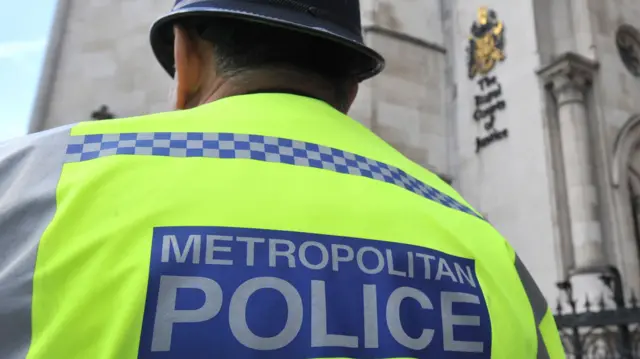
(601, 302)
(587, 303)
(634, 300)
(572, 304)
(559, 307)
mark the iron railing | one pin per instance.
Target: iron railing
(603, 328)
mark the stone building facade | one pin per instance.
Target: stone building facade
(532, 113)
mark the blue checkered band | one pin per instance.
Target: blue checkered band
(259, 148)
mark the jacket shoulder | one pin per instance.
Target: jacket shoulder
(44, 138)
(23, 157)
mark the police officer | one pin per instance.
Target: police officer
(257, 222)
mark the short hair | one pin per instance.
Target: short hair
(241, 45)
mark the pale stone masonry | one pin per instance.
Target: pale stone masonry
(553, 165)
(103, 57)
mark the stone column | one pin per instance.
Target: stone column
(569, 79)
(406, 104)
(40, 109)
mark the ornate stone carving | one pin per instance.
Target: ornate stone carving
(568, 77)
(628, 44)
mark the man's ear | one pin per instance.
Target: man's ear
(188, 66)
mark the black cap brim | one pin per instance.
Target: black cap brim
(367, 62)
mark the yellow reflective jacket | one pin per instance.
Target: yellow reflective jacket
(257, 226)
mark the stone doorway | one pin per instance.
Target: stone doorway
(633, 174)
(624, 247)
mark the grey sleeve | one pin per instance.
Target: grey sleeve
(30, 169)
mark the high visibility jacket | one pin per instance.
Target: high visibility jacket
(257, 226)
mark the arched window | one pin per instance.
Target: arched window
(625, 178)
(634, 200)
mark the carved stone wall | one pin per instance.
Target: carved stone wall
(508, 179)
(406, 104)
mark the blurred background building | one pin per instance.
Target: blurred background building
(530, 110)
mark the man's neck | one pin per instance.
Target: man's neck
(260, 81)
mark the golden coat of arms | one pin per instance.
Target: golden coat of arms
(486, 43)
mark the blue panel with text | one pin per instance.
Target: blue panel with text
(217, 292)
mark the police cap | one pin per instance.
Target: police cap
(334, 20)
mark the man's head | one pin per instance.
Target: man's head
(239, 57)
(220, 48)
